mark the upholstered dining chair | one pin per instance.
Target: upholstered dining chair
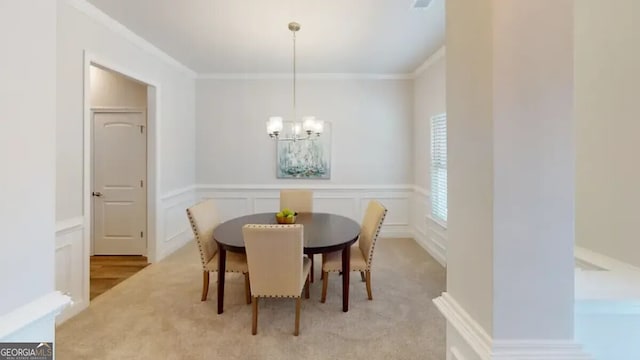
(204, 219)
(298, 200)
(361, 252)
(277, 267)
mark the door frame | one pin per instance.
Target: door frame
(117, 109)
(153, 165)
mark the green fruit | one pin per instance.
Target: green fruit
(290, 216)
(280, 214)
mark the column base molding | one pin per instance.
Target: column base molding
(486, 348)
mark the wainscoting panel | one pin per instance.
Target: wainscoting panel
(428, 233)
(344, 205)
(266, 203)
(349, 201)
(176, 227)
(69, 266)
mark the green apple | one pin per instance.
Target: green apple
(290, 216)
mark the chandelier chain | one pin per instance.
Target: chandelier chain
(294, 76)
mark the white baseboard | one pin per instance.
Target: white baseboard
(72, 310)
(486, 348)
(175, 242)
(436, 251)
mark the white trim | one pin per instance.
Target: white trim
(179, 234)
(475, 336)
(439, 54)
(303, 76)
(176, 193)
(438, 222)
(100, 17)
(232, 187)
(422, 191)
(518, 349)
(171, 245)
(538, 350)
(602, 260)
(48, 305)
(607, 307)
(154, 215)
(436, 250)
(68, 225)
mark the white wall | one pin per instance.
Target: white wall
(429, 99)
(370, 119)
(607, 54)
(27, 157)
(470, 157)
(84, 30)
(511, 180)
(78, 32)
(111, 89)
(371, 124)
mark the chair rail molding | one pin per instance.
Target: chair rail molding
(486, 348)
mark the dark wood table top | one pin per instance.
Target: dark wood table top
(322, 232)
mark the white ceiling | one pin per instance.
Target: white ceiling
(251, 36)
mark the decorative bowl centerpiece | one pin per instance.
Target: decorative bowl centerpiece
(286, 216)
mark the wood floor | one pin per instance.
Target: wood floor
(108, 271)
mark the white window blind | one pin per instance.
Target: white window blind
(439, 167)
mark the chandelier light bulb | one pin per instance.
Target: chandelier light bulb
(309, 124)
(294, 129)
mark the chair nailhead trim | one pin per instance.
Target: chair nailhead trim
(197, 235)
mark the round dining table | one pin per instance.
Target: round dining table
(323, 233)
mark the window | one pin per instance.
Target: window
(439, 168)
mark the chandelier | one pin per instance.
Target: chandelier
(306, 129)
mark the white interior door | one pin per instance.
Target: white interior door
(119, 182)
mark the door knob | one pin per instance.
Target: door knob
(96, 193)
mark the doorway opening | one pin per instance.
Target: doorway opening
(117, 164)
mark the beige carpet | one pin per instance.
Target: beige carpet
(157, 314)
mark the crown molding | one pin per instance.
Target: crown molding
(303, 76)
(439, 54)
(100, 17)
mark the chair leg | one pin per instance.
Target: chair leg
(306, 288)
(311, 271)
(369, 284)
(325, 283)
(254, 324)
(324, 258)
(247, 288)
(362, 276)
(205, 285)
(298, 303)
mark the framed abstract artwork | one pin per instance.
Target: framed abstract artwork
(305, 159)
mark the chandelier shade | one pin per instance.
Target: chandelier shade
(309, 127)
